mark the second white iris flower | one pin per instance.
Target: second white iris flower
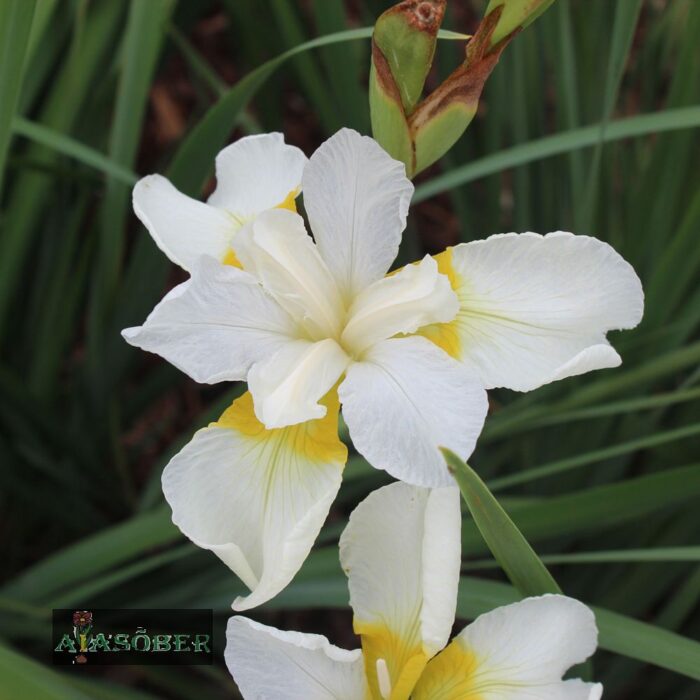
(310, 324)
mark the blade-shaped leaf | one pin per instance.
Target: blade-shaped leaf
(520, 562)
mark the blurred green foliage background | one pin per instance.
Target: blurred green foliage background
(589, 123)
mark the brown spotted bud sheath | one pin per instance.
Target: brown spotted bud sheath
(444, 115)
(403, 46)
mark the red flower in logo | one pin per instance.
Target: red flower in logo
(82, 618)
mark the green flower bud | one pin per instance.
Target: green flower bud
(515, 15)
(389, 124)
(442, 116)
(403, 46)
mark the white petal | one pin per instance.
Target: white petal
(183, 228)
(356, 197)
(415, 296)
(257, 498)
(517, 652)
(406, 399)
(257, 173)
(216, 325)
(537, 639)
(534, 308)
(401, 551)
(278, 250)
(288, 385)
(268, 664)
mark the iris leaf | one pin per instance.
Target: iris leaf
(520, 562)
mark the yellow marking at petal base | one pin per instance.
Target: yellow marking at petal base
(451, 675)
(231, 259)
(316, 440)
(446, 335)
(404, 659)
(288, 202)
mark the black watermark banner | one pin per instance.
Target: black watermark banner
(106, 637)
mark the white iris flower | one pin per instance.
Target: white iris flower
(310, 324)
(401, 552)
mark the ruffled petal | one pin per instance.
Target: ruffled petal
(256, 173)
(516, 652)
(268, 664)
(183, 228)
(216, 325)
(357, 199)
(405, 400)
(257, 498)
(534, 309)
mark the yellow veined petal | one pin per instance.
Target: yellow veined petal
(402, 654)
(446, 335)
(257, 498)
(316, 440)
(451, 675)
(535, 309)
(401, 553)
(516, 651)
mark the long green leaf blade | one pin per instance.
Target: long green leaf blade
(509, 547)
(15, 26)
(641, 125)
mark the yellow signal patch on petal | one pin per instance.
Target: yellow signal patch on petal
(289, 201)
(404, 660)
(451, 675)
(446, 335)
(316, 440)
(232, 259)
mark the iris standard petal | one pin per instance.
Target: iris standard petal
(216, 325)
(357, 200)
(516, 652)
(268, 664)
(534, 308)
(257, 498)
(256, 173)
(405, 400)
(401, 552)
(401, 303)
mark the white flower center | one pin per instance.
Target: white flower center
(332, 331)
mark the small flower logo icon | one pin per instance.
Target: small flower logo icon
(82, 625)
